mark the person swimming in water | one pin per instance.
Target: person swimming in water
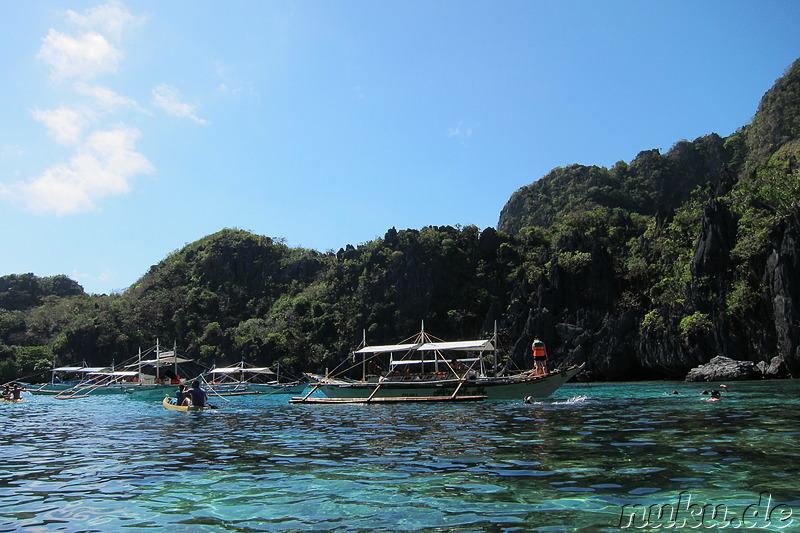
(715, 396)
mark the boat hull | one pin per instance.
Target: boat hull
(150, 392)
(510, 388)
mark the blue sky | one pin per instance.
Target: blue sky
(129, 129)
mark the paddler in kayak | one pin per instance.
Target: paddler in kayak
(182, 396)
(198, 395)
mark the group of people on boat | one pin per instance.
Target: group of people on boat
(12, 392)
(195, 396)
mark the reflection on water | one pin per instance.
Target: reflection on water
(259, 464)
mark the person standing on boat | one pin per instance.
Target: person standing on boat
(539, 357)
(198, 395)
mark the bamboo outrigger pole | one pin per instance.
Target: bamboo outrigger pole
(374, 391)
(455, 392)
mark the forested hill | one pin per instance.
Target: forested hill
(644, 270)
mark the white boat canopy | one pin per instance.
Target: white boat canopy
(118, 373)
(232, 369)
(475, 346)
(85, 369)
(171, 359)
(389, 348)
(423, 361)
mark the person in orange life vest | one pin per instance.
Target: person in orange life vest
(539, 357)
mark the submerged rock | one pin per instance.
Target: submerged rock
(723, 368)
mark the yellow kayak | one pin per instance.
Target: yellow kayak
(172, 405)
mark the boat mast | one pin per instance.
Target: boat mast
(175, 358)
(158, 357)
(494, 353)
(364, 355)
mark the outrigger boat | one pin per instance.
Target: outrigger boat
(87, 380)
(103, 381)
(244, 379)
(66, 378)
(154, 387)
(71, 382)
(430, 370)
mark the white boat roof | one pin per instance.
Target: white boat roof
(440, 361)
(163, 360)
(88, 369)
(232, 369)
(477, 345)
(120, 373)
(389, 348)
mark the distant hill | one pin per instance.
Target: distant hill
(643, 270)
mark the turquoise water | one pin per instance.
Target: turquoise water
(593, 457)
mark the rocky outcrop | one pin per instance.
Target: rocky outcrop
(578, 313)
(776, 368)
(782, 276)
(723, 211)
(723, 368)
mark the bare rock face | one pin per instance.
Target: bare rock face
(723, 368)
(782, 276)
(775, 368)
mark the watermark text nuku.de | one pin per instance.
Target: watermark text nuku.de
(683, 513)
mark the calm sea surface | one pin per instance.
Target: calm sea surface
(593, 457)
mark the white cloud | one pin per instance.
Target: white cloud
(106, 99)
(78, 57)
(459, 130)
(111, 18)
(104, 161)
(104, 276)
(169, 99)
(103, 166)
(65, 124)
(235, 91)
(9, 151)
(225, 85)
